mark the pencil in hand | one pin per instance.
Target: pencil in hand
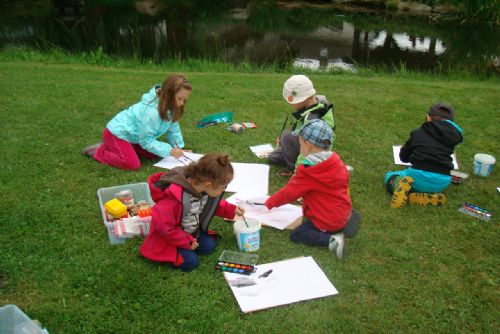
(185, 156)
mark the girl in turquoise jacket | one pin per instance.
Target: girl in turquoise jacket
(135, 131)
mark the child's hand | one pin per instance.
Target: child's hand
(194, 245)
(176, 153)
(239, 211)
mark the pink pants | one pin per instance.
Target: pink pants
(120, 153)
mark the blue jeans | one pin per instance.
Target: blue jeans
(308, 234)
(190, 257)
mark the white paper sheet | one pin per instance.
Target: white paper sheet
(262, 151)
(291, 281)
(247, 177)
(171, 162)
(278, 218)
(397, 161)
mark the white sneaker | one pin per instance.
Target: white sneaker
(337, 245)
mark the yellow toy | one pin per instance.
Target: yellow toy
(115, 208)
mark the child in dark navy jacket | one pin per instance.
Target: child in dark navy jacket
(429, 150)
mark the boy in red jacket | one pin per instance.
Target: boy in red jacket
(322, 181)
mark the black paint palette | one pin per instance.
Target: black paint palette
(237, 262)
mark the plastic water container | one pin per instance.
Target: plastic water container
(483, 164)
(248, 237)
(15, 321)
(140, 192)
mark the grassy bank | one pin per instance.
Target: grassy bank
(411, 270)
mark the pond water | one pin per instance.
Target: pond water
(259, 33)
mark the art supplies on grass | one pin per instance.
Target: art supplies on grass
(262, 151)
(130, 227)
(237, 262)
(253, 203)
(214, 119)
(236, 128)
(126, 197)
(115, 208)
(280, 283)
(249, 125)
(483, 164)
(137, 220)
(247, 233)
(397, 161)
(475, 211)
(458, 177)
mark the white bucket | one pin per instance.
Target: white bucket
(483, 164)
(248, 237)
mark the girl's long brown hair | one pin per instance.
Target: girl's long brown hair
(172, 84)
(213, 167)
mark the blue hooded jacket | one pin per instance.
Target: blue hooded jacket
(141, 124)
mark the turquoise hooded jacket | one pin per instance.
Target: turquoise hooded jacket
(141, 124)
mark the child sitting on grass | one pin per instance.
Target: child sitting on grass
(186, 199)
(322, 181)
(299, 92)
(135, 131)
(429, 150)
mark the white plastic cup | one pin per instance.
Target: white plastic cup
(483, 164)
(248, 238)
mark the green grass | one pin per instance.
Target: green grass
(410, 270)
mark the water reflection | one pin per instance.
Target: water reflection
(156, 30)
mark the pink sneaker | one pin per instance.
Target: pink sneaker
(90, 150)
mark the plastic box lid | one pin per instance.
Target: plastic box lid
(15, 321)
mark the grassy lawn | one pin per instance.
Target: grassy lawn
(410, 270)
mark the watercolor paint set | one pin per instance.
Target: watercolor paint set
(237, 262)
(475, 211)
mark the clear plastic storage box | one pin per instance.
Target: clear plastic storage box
(15, 321)
(140, 192)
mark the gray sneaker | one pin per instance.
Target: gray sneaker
(337, 246)
(90, 150)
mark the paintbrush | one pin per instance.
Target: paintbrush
(255, 203)
(245, 221)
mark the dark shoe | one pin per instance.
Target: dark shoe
(351, 228)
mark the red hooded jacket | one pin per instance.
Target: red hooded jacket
(324, 189)
(166, 234)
